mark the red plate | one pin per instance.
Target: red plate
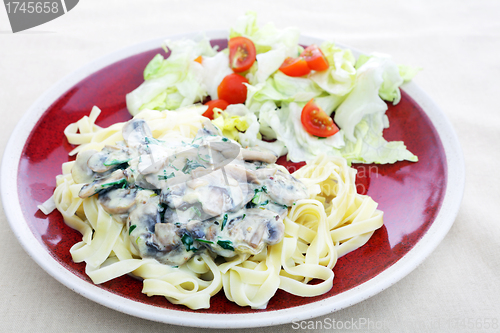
(410, 194)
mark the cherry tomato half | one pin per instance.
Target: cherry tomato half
(241, 54)
(216, 103)
(315, 58)
(316, 121)
(295, 67)
(232, 89)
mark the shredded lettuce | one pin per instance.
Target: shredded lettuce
(267, 63)
(363, 100)
(281, 88)
(353, 91)
(371, 147)
(214, 70)
(408, 72)
(173, 82)
(231, 122)
(339, 78)
(239, 124)
(286, 124)
(267, 37)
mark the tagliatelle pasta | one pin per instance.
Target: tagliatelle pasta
(333, 221)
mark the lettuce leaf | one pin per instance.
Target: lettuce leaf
(286, 124)
(266, 64)
(267, 37)
(232, 121)
(340, 77)
(408, 72)
(371, 147)
(362, 114)
(214, 70)
(374, 75)
(173, 82)
(281, 88)
(238, 123)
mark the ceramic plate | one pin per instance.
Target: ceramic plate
(420, 200)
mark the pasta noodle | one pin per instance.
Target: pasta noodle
(333, 221)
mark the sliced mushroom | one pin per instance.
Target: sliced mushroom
(228, 149)
(161, 241)
(283, 188)
(257, 228)
(145, 215)
(258, 155)
(152, 159)
(115, 178)
(242, 174)
(118, 201)
(222, 194)
(80, 172)
(135, 132)
(208, 129)
(166, 236)
(108, 158)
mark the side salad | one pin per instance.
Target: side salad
(268, 91)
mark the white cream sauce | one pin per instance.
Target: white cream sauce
(183, 196)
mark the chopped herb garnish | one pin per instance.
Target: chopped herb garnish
(187, 240)
(196, 138)
(118, 182)
(115, 162)
(320, 137)
(161, 210)
(224, 221)
(257, 198)
(196, 210)
(284, 206)
(132, 227)
(152, 140)
(225, 139)
(225, 244)
(204, 241)
(191, 165)
(204, 160)
(165, 177)
(244, 215)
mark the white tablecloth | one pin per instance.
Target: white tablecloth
(457, 289)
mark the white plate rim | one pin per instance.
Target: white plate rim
(430, 240)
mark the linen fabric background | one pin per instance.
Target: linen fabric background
(456, 42)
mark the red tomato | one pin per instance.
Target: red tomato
(216, 103)
(316, 121)
(232, 89)
(241, 54)
(315, 58)
(295, 67)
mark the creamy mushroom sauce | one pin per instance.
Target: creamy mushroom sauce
(183, 196)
